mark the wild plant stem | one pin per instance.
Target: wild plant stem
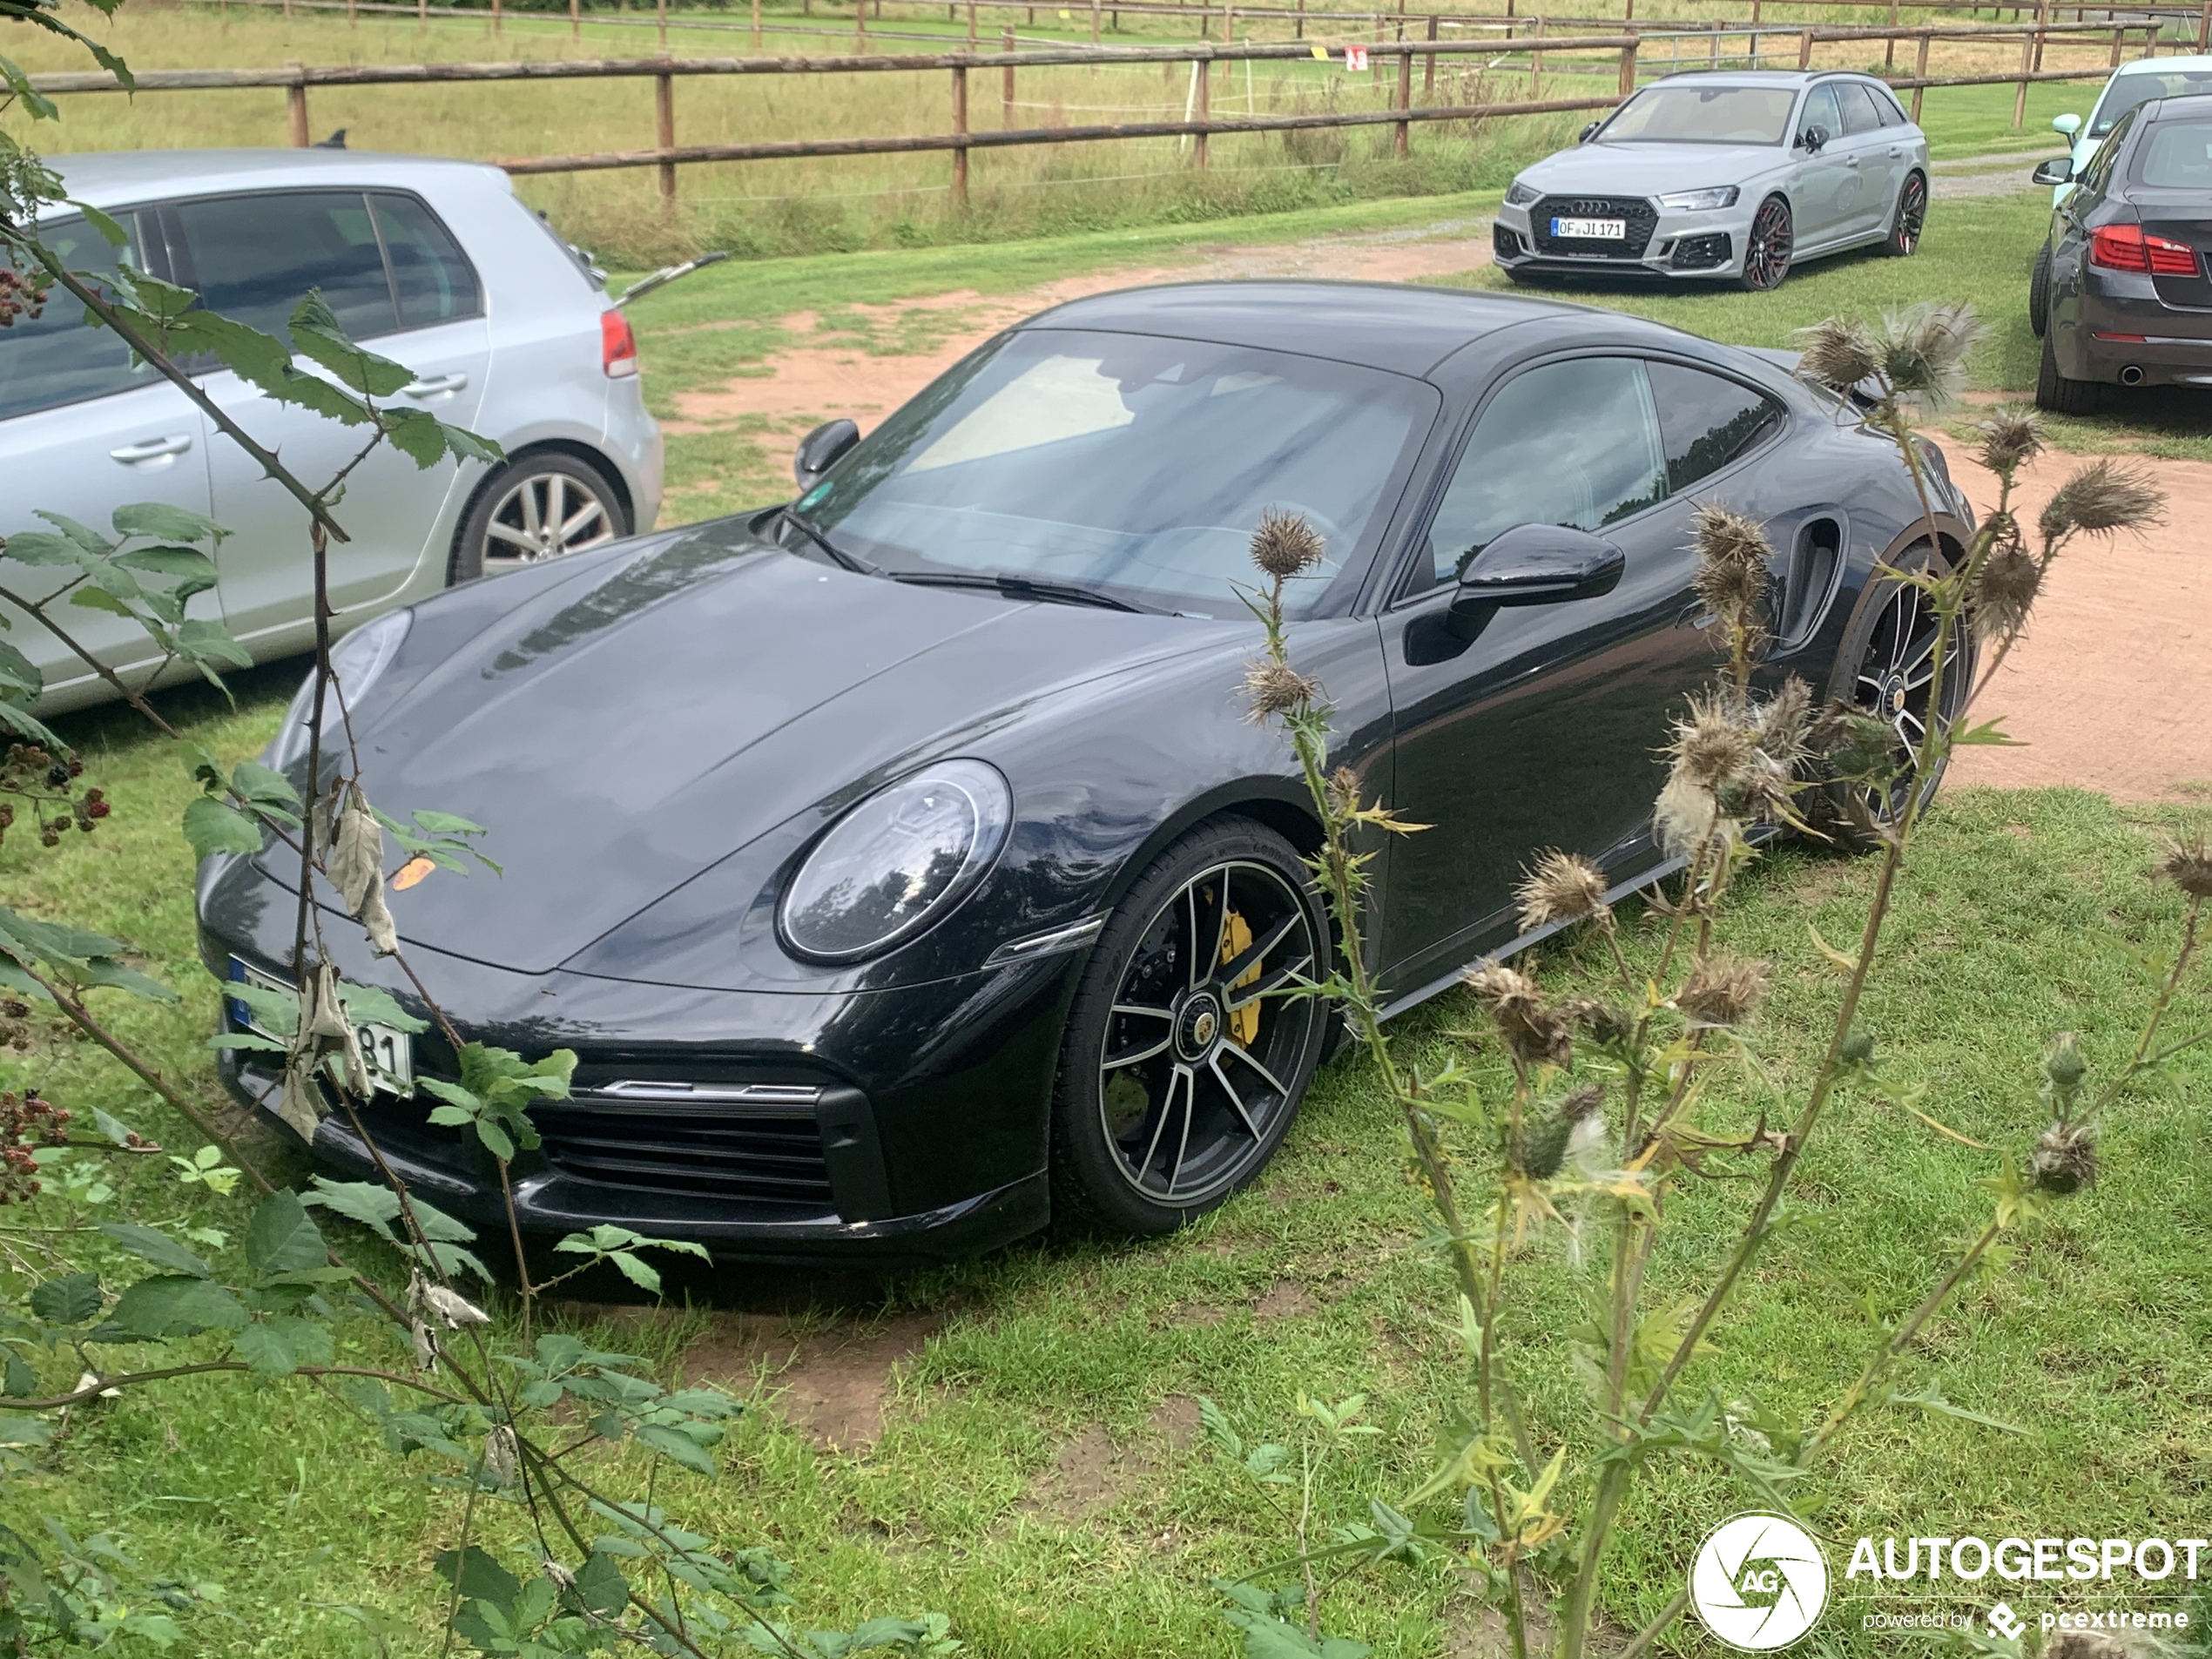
(1637, 1644)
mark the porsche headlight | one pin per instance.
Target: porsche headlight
(896, 862)
(1699, 201)
(1519, 195)
(357, 660)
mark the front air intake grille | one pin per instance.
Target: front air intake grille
(1702, 253)
(757, 1157)
(1639, 219)
(1506, 244)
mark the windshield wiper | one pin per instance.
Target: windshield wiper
(1017, 587)
(814, 533)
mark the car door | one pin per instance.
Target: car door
(396, 282)
(83, 431)
(1543, 731)
(1876, 160)
(1826, 191)
(2071, 226)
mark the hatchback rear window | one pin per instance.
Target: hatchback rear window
(1703, 115)
(2177, 155)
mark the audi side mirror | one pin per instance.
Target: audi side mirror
(2057, 171)
(1589, 132)
(1533, 564)
(820, 449)
(1813, 137)
(2068, 125)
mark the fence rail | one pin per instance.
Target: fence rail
(1198, 123)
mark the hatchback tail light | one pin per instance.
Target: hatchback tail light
(617, 345)
(2126, 247)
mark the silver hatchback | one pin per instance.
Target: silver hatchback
(433, 263)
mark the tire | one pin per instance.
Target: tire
(1162, 1048)
(1890, 639)
(2039, 292)
(518, 513)
(1767, 246)
(1909, 219)
(2059, 394)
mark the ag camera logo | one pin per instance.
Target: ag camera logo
(1759, 1582)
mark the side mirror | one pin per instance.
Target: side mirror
(1533, 564)
(2068, 125)
(820, 450)
(1813, 137)
(2057, 171)
(1589, 132)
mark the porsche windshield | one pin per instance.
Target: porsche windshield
(1703, 115)
(1134, 466)
(2125, 92)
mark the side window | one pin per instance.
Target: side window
(254, 258)
(2098, 174)
(1575, 443)
(55, 358)
(1888, 107)
(1859, 113)
(1707, 421)
(430, 275)
(1820, 111)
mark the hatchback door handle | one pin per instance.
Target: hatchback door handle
(437, 386)
(151, 449)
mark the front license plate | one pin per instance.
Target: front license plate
(388, 1055)
(1591, 230)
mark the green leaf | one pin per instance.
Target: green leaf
(203, 639)
(316, 334)
(278, 1011)
(211, 827)
(600, 1584)
(172, 1306)
(476, 1574)
(282, 1237)
(263, 1348)
(447, 822)
(38, 547)
(116, 236)
(70, 1299)
(636, 1271)
(235, 1040)
(264, 785)
(496, 1139)
(677, 1446)
(83, 534)
(19, 676)
(17, 1381)
(94, 597)
(25, 1432)
(156, 1247)
(118, 1132)
(158, 518)
(376, 1006)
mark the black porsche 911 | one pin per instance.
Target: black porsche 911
(901, 863)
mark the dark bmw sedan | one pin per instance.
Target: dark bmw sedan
(900, 861)
(2121, 293)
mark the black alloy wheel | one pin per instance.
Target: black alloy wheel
(1184, 1059)
(1766, 249)
(1911, 217)
(2059, 394)
(2039, 291)
(1887, 669)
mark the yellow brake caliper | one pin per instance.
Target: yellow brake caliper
(1243, 1022)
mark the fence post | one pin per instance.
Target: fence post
(1428, 74)
(1204, 64)
(2204, 28)
(1889, 46)
(660, 9)
(353, 19)
(2042, 32)
(295, 101)
(960, 130)
(1094, 27)
(1805, 50)
(1920, 72)
(1629, 69)
(2020, 96)
(1300, 34)
(2116, 47)
(1755, 5)
(665, 133)
(422, 14)
(971, 24)
(576, 18)
(498, 22)
(1401, 145)
(1005, 92)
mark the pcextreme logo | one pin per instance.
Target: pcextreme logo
(1759, 1582)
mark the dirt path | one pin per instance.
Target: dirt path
(2106, 690)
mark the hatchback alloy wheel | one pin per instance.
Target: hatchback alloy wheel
(543, 507)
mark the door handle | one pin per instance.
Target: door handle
(151, 449)
(437, 386)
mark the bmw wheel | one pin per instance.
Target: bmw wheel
(2054, 391)
(538, 507)
(1184, 1060)
(1906, 223)
(1766, 247)
(2039, 291)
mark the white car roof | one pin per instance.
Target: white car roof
(2158, 65)
(118, 178)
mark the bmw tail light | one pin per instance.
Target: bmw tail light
(2126, 247)
(617, 345)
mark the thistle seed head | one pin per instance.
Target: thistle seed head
(1732, 558)
(1284, 545)
(1687, 816)
(1724, 989)
(2010, 437)
(1837, 354)
(1273, 688)
(1533, 1031)
(2102, 499)
(2065, 1159)
(2187, 864)
(1600, 1021)
(1546, 1147)
(1923, 351)
(1708, 747)
(2006, 588)
(1783, 723)
(1561, 888)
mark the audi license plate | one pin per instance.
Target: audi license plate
(388, 1055)
(1591, 230)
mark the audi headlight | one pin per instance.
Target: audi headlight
(1519, 195)
(895, 863)
(356, 660)
(1699, 201)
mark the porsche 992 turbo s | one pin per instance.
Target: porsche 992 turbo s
(900, 863)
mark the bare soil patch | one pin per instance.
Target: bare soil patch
(1094, 1472)
(830, 1382)
(1288, 1299)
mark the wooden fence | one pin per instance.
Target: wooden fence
(1622, 50)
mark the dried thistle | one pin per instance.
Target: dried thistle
(1559, 889)
(1708, 747)
(1782, 724)
(2011, 436)
(1837, 353)
(1687, 817)
(2101, 499)
(1344, 792)
(1533, 1030)
(1923, 351)
(1600, 1021)
(1546, 1148)
(1273, 688)
(1855, 744)
(2065, 1159)
(2187, 864)
(1284, 545)
(1724, 989)
(2004, 587)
